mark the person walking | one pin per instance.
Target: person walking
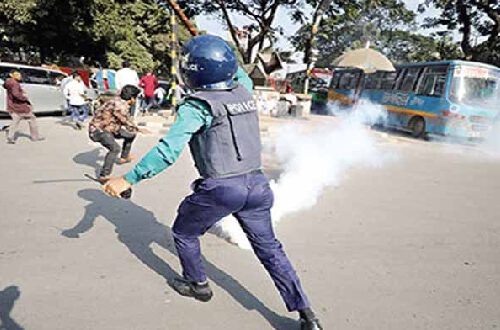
(126, 76)
(112, 121)
(77, 104)
(160, 94)
(220, 122)
(19, 108)
(148, 83)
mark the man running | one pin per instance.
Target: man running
(220, 122)
(112, 121)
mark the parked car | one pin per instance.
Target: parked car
(41, 85)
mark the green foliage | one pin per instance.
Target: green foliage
(104, 31)
(136, 31)
(475, 19)
(260, 14)
(387, 24)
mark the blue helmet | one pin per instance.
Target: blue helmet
(208, 62)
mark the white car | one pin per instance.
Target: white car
(40, 84)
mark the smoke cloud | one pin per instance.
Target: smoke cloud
(313, 157)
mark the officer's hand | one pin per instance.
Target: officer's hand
(115, 186)
(144, 131)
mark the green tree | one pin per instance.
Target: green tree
(14, 15)
(106, 31)
(472, 18)
(136, 31)
(260, 13)
(387, 24)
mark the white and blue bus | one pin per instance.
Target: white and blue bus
(456, 98)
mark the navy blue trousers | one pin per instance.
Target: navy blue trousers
(249, 199)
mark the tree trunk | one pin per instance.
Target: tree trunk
(232, 30)
(464, 18)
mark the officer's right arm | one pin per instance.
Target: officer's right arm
(191, 118)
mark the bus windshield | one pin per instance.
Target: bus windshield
(476, 86)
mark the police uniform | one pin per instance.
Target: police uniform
(220, 123)
(223, 133)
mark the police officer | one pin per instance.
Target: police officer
(220, 122)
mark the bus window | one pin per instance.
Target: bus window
(388, 80)
(345, 81)
(409, 80)
(476, 86)
(433, 82)
(373, 80)
(34, 76)
(437, 69)
(335, 80)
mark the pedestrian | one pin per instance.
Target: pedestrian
(112, 121)
(148, 83)
(220, 122)
(77, 104)
(19, 108)
(126, 76)
(160, 94)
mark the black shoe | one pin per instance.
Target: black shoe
(201, 292)
(310, 324)
(10, 141)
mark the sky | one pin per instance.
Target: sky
(213, 26)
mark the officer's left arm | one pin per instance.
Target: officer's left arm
(191, 118)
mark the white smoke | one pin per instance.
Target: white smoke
(491, 145)
(313, 157)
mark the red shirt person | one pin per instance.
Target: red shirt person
(149, 83)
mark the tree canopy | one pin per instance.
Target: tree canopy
(103, 31)
(387, 24)
(251, 37)
(478, 22)
(110, 31)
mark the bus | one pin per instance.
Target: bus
(451, 98)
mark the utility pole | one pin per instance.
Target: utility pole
(310, 56)
(173, 57)
(174, 11)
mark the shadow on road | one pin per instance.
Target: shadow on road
(8, 297)
(90, 158)
(137, 229)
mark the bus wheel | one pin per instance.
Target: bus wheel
(417, 127)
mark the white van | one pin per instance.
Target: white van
(40, 85)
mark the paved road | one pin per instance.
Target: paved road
(412, 244)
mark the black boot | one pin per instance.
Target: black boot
(201, 292)
(310, 324)
(308, 320)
